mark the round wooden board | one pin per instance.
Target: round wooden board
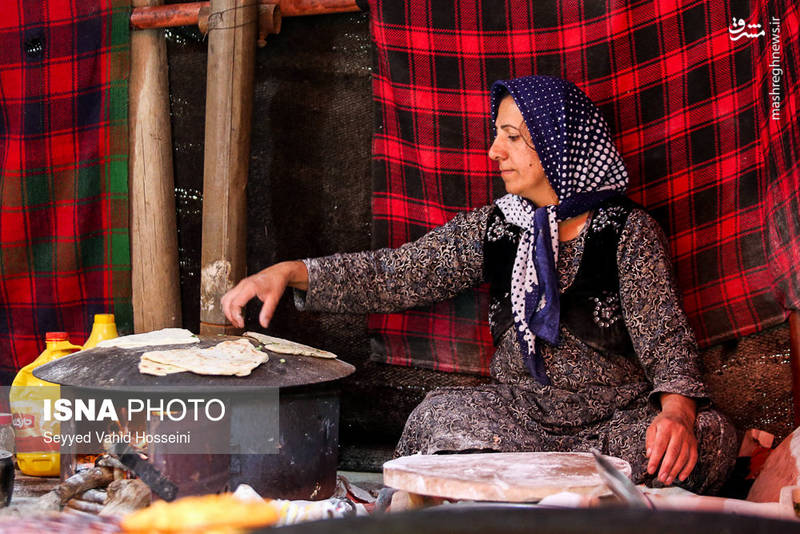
(501, 477)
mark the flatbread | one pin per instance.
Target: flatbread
(284, 346)
(165, 336)
(149, 367)
(228, 358)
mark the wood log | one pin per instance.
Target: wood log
(112, 462)
(154, 237)
(56, 498)
(85, 506)
(94, 495)
(125, 496)
(229, 105)
(96, 477)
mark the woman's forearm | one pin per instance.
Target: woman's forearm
(435, 267)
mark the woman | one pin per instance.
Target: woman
(592, 347)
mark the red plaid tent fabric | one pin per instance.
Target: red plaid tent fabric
(64, 252)
(688, 98)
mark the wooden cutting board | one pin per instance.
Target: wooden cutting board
(503, 477)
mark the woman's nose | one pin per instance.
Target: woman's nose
(495, 151)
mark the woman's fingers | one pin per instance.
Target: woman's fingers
(268, 309)
(659, 445)
(687, 470)
(671, 455)
(680, 461)
(649, 441)
(234, 300)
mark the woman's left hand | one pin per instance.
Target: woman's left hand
(670, 439)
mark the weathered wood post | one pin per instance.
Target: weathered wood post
(232, 29)
(154, 237)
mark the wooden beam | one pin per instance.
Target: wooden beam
(169, 16)
(187, 14)
(154, 236)
(297, 8)
(794, 350)
(232, 32)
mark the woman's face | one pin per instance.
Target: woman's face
(512, 149)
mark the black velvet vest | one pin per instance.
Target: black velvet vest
(590, 307)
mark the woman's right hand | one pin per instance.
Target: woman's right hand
(268, 285)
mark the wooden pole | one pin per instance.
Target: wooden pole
(154, 239)
(232, 26)
(794, 351)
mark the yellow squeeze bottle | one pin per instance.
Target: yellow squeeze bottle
(104, 328)
(35, 455)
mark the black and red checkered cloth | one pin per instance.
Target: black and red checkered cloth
(64, 252)
(689, 98)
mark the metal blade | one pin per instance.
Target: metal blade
(620, 485)
(161, 485)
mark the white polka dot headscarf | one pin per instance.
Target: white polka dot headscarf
(583, 167)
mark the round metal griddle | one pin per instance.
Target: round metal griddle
(119, 368)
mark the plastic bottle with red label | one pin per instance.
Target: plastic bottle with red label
(37, 450)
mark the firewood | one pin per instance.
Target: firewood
(94, 495)
(56, 498)
(110, 461)
(85, 506)
(82, 481)
(125, 496)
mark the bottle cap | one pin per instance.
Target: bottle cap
(56, 336)
(104, 318)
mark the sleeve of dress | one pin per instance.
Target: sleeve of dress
(657, 324)
(435, 267)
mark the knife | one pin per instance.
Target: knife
(161, 485)
(620, 485)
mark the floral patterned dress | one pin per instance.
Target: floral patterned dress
(595, 399)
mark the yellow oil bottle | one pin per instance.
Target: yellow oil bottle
(103, 328)
(36, 455)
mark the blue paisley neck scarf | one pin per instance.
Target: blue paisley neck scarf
(584, 169)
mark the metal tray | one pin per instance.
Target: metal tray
(119, 368)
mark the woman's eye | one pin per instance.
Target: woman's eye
(513, 137)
